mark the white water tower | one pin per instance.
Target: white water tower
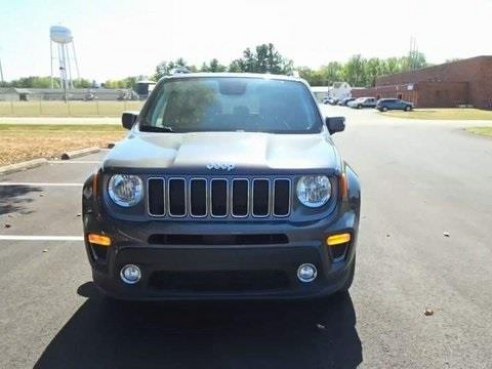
(61, 37)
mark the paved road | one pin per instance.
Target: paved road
(419, 181)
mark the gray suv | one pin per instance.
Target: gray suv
(227, 186)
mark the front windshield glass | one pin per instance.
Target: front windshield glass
(232, 104)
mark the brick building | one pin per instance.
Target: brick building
(463, 82)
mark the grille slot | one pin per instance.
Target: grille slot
(176, 197)
(156, 196)
(281, 195)
(219, 197)
(261, 197)
(240, 203)
(198, 197)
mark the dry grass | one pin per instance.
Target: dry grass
(483, 131)
(443, 114)
(24, 142)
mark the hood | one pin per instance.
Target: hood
(224, 150)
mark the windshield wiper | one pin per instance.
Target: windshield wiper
(148, 128)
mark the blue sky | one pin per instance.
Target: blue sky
(115, 39)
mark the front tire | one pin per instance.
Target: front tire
(408, 108)
(385, 109)
(359, 106)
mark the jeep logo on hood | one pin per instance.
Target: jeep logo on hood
(223, 166)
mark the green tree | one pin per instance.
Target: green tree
(313, 77)
(166, 68)
(333, 72)
(235, 66)
(354, 71)
(265, 59)
(374, 68)
(82, 83)
(214, 67)
(414, 60)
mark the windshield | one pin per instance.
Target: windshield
(232, 104)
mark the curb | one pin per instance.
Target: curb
(75, 154)
(22, 166)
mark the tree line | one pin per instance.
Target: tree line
(265, 58)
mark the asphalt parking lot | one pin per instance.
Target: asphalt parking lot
(424, 244)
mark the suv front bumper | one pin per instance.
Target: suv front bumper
(197, 271)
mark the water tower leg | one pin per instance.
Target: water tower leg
(76, 61)
(51, 62)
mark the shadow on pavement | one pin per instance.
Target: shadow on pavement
(105, 334)
(14, 198)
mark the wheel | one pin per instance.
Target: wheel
(408, 108)
(385, 108)
(359, 106)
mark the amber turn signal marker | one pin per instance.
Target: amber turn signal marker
(99, 240)
(95, 181)
(338, 239)
(344, 186)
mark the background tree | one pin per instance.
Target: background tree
(265, 59)
(166, 68)
(354, 71)
(82, 83)
(214, 67)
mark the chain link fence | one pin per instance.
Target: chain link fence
(68, 109)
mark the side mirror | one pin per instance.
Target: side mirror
(335, 124)
(128, 119)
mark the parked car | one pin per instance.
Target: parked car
(228, 186)
(330, 100)
(393, 104)
(363, 102)
(345, 101)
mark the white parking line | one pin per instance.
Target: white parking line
(40, 238)
(74, 162)
(40, 184)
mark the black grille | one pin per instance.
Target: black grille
(223, 281)
(218, 239)
(219, 197)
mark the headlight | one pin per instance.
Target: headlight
(314, 191)
(125, 190)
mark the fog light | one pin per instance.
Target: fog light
(130, 274)
(307, 273)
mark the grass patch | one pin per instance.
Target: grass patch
(30, 141)
(483, 131)
(443, 114)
